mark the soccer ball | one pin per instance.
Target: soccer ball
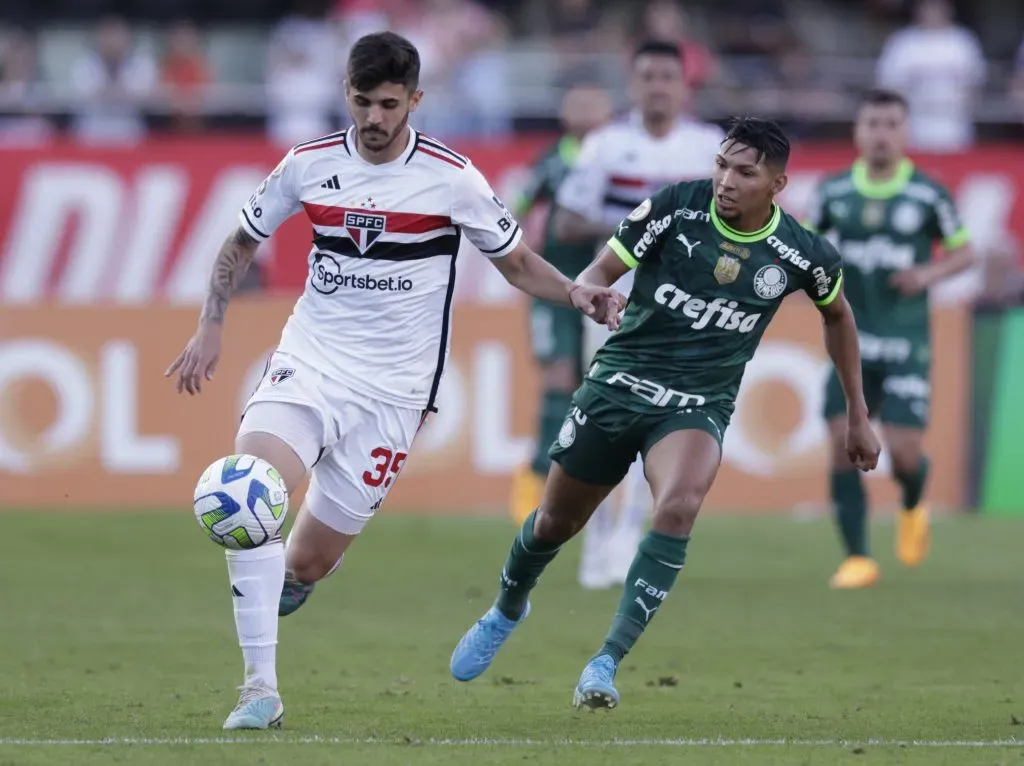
(241, 501)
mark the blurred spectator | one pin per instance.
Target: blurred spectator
(463, 71)
(19, 91)
(184, 75)
(755, 34)
(303, 86)
(1017, 79)
(938, 65)
(113, 82)
(803, 98)
(665, 20)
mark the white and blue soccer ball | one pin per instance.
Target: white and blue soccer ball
(241, 501)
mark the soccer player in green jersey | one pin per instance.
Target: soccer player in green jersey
(556, 335)
(713, 260)
(887, 215)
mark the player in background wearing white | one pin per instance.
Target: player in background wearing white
(362, 355)
(621, 165)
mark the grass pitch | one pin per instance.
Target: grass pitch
(117, 646)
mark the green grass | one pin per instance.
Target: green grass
(120, 627)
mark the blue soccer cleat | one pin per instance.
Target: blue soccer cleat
(293, 595)
(477, 648)
(259, 707)
(595, 689)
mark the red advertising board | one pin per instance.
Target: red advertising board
(130, 225)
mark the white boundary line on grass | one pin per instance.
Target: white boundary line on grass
(280, 739)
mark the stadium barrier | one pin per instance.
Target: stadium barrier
(133, 224)
(87, 419)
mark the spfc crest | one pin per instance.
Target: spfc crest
(873, 214)
(364, 228)
(727, 269)
(281, 374)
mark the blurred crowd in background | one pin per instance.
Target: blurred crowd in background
(111, 70)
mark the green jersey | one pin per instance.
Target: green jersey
(702, 297)
(882, 229)
(546, 176)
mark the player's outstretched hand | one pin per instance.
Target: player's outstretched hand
(602, 304)
(862, 445)
(198, 361)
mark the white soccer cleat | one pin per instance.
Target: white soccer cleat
(259, 707)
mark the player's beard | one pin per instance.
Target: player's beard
(379, 134)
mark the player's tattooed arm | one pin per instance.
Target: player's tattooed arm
(229, 270)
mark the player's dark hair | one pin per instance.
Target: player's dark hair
(764, 136)
(657, 48)
(383, 57)
(883, 97)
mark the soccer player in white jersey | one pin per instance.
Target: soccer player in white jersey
(620, 166)
(361, 357)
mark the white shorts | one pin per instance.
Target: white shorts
(353, 447)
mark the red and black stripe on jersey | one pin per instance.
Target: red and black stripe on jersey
(437, 150)
(334, 139)
(395, 223)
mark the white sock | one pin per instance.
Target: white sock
(596, 535)
(636, 502)
(257, 577)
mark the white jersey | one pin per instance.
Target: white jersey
(376, 311)
(621, 165)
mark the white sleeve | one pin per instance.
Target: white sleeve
(275, 201)
(477, 210)
(891, 69)
(582, 191)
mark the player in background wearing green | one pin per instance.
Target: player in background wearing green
(556, 335)
(886, 216)
(713, 261)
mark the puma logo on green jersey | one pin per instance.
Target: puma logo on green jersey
(703, 312)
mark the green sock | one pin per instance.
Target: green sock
(912, 485)
(651, 576)
(553, 410)
(523, 567)
(851, 509)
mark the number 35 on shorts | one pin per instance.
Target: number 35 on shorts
(387, 465)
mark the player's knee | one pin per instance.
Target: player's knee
(560, 375)
(275, 451)
(837, 446)
(555, 527)
(676, 513)
(905, 459)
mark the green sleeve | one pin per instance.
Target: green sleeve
(945, 223)
(641, 234)
(825, 276)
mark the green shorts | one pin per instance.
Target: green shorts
(897, 393)
(556, 332)
(597, 446)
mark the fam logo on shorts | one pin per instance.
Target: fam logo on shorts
(364, 228)
(770, 282)
(280, 375)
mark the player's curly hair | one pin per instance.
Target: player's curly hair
(765, 136)
(383, 57)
